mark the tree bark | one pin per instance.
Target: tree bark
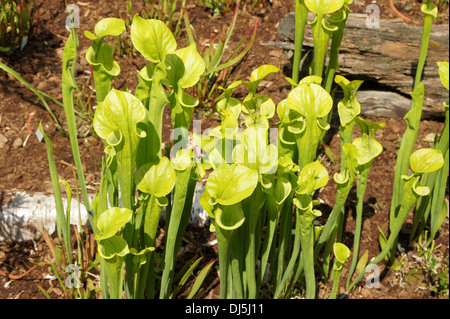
(386, 59)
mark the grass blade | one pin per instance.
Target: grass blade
(185, 277)
(199, 281)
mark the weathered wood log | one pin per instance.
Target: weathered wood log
(386, 59)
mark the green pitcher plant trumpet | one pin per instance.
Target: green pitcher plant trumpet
(414, 114)
(348, 109)
(155, 183)
(368, 149)
(435, 205)
(310, 103)
(116, 121)
(260, 109)
(322, 30)
(226, 188)
(341, 252)
(344, 181)
(100, 54)
(338, 20)
(311, 178)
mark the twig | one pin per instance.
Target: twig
(28, 124)
(405, 18)
(15, 277)
(65, 163)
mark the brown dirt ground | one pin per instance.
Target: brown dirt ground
(25, 168)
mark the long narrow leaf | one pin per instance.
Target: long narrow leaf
(240, 56)
(185, 277)
(68, 86)
(200, 278)
(60, 216)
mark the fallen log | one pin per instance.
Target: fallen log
(386, 59)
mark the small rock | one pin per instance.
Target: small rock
(48, 186)
(3, 140)
(266, 84)
(276, 4)
(11, 178)
(276, 54)
(18, 142)
(42, 85)
(59, 52)
(359, 3)
(10, 132)
(89, 177)
(54, 79)
(92, 141)
(57, 291)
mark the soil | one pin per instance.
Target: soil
(24, 163)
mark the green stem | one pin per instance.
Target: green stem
(412, 117)
(301, 13)
(179, 217)
(409, 138)
(113, 268)
(158, 102)
(328, 250)
(102, 206)
(294, 256)
(152, 216)
(68, 86)
(285, 238)
(273, 212)
(126, 159)
(409, 200)
(307, 242)
(432, 202)
(237, 255)
(102, 82)
(299, 270)
(62, 231)
(306, 217)
(361, 185)
(335, 215)
(223, 237)
(428, 21)
(336, 41)
(321, 37)
(252, 212)
(438, 199)
(308, 143)
(337, 277)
